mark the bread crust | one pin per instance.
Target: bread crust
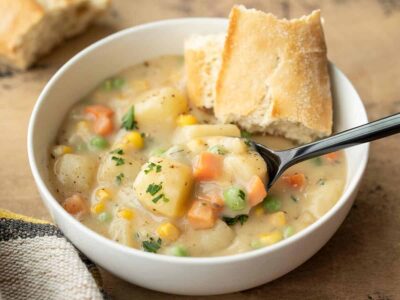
(275, 70)
(30, 28)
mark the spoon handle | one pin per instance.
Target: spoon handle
(358, 135)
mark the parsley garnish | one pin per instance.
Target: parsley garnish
(119, 161)
(241, 194)
(321, 181)
(218, 149)
(161, 196)
(317, 161)
(119, 178)
(128, 120)
(153, 188)
(151, 166)
(117, 151)
(245, 134)
(155, 200)
(152, 245)
(232, 221)
(294, 198)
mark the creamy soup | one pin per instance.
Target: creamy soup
(136, 163)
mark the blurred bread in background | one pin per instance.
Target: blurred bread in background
(31, 28)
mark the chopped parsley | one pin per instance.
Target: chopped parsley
(241, 194)
(117, 151)
(152, 245)
(232, 221)
(119, 161)
(317, 161)
(151, 166)
(159, 197)
(321, 181)
(128, 120)
(119, 178)
(218, 149)
(245, 134)
(153, 188)
(294, 198)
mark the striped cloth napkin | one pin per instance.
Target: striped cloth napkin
(38, 262)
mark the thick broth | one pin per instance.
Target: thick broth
(123, 218)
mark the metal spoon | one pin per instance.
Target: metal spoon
(279, 161)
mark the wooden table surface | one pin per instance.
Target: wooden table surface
(362, 260)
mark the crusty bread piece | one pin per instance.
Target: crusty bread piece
(202, 65)
(274, 76)
(31, 28)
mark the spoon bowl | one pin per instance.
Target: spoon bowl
(279, 161)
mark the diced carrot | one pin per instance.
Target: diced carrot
(256, 191)
(99, 110)
(201, 215)
(217, 203)
(75, 205)
(331, 156)
(208, 166)
(297, 180)
(103, 125)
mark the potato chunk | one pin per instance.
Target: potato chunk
(163, 186)
(207, 240)
(163, 105)
(108, 169)
(184, 134)
(75, 173)
(244, 166)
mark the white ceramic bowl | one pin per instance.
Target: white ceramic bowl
(190, 276)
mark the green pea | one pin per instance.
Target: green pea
(235, 198)
(272, 204)
(104, 217)
(107, 85)
(113, 84)
(99, 142)
(218, 149)
(317, 161)
(288, 232)
(118, 83)
(81, 147)
(256, 244)
(157, 152)
(178, 251)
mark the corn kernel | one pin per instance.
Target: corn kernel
(259, 211)
(134, 139)
(185, 120)
(141, 85)
(61, 149)
(271, 238)
(126, 214)
(103, 194)
(278, 219)
(168, 231)
(82, 126)
(98, 208)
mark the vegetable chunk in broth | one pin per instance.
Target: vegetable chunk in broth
(135, 162)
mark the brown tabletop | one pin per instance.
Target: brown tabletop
(362, 260)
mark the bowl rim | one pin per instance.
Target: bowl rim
(50, 200)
